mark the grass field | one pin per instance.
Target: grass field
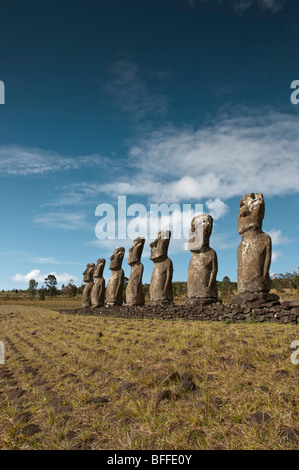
(62, 301)
(79, 382)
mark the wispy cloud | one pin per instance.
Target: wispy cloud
(17, 160)
(50, 260)
(241, 6)
(26, 257)
(80, 194)
(63, 220)
(271, 5)
(130, 92)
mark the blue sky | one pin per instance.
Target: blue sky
(173, 101)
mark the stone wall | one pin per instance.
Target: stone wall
(284, 312)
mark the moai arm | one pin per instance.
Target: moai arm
(120, 281)
(214, 269)
(268, 256)
(169, 275)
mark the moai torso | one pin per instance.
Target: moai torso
(203, 266)
(254, 251)
(97, 295)
(88, 279)
(114, 291)
(161, 280)
(134, 290)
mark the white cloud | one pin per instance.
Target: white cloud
(25, 161)
(277, 237)
(39, 277)
(230, 157)
(34, 274)
(217, 208)
(249, 151)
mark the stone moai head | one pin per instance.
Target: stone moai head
(136, 250)
(159, 247)
(98, 270)
(200, 232)
(88, 273)
(251, 213)
(117, 258)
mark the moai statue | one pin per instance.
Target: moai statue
(97, 294)
(203, 266)
(161, 280)
(115, 287)
(254, 252)
(134, 290)
(88, 279)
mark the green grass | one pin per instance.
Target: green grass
(232, 365)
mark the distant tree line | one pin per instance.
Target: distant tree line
(285, 281)
(226, 287)
(50, 289)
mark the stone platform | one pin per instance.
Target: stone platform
(256, 311)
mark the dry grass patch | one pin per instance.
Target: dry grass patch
(79, 382)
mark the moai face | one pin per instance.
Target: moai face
(135, 251)
(117, 258)
(200, 232)
(251, 213)
(98, 270)
(159, 247)
(88, 273)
